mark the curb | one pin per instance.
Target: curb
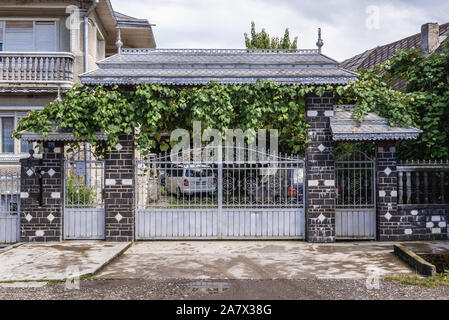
(13, 246)
(107, 262)
(413, 260)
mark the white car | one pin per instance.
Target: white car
(190, 180)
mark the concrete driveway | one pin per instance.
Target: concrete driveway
(56, 261)
(255, 260)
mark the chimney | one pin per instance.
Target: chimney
(430, 37)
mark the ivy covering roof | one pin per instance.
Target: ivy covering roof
(345, 127)
(227, 66)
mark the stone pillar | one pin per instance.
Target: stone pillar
(41, 201)
(119, 191)
(390, 225)
(321, 189)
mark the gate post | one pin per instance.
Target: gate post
(119, 191)
(321, 190)
(41, 201)
(389, 223)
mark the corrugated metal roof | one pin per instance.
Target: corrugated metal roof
(200, 66)
(345, 128)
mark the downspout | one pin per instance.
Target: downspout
(86, 34)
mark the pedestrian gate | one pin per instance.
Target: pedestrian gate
(227, 200)
(10, 205)
(84, 215)
(356, 202)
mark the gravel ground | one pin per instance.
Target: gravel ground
(139, 289)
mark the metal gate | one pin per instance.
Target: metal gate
(10, 205)
(356, 201)
(223, 200)
(84, 215)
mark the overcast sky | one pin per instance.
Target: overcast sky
(349, 27)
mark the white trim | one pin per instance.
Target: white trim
(29, 19)
(20, 108)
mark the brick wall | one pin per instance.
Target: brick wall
(41, 219)
(426, 222)
(321, 193)
(390, 225)
(119, 191)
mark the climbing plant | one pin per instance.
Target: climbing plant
(154, 109)
(421, 99)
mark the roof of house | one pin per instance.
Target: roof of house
(228, 66)
(135, 33)
(380, 54)
(345, 127)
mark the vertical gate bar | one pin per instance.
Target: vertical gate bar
(220, 190)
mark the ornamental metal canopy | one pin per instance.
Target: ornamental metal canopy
(345, 127)
(226, 66)
(57, 135)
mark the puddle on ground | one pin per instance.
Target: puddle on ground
(440, 261)
(210, 288)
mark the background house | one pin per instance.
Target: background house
(431, 39)
(45, 45)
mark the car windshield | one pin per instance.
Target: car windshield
(198, 173)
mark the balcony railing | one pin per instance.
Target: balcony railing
(36, 67)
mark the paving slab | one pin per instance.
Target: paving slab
(57, 261)
(252, 260)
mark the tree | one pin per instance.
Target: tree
(262, 40)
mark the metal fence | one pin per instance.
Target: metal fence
(355, 216)
(83, 195)
(10, 204)
(423, 182)
(191, 199)
(355, 175)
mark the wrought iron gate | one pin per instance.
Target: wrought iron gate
(84, 215)
(10, 205)
(356, 201)
(228, 200)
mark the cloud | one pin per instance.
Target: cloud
(221, 24)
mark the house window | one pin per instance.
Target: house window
(27, 35)
(7, 130)
(2, 28)
(8, 123)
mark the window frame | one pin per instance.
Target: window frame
(34, 20)
(17, 143)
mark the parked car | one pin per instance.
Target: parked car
(190, 180)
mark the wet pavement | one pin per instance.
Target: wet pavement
(55, 261)
(263, 260)
(253, 290)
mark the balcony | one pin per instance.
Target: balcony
(36, 71)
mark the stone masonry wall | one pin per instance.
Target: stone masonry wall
(390, 225)
(42, 221)
(119, 191)
(321, 191)
(426, 222)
